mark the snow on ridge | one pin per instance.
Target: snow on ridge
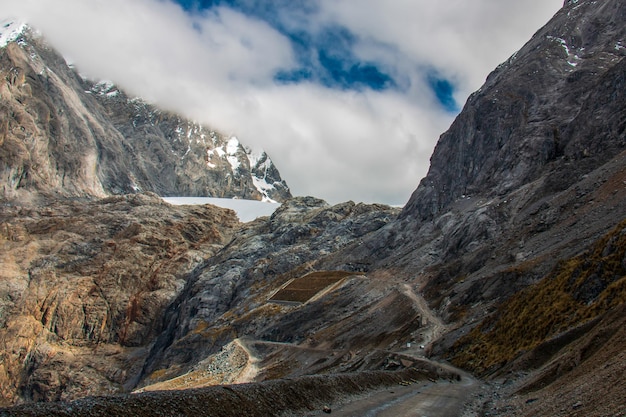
(103, 88)
(10, 30)
(261, 183)
(231, 151)
(263, 187)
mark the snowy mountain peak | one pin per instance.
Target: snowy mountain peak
(131, 145)
(10, 30)
(262, 166)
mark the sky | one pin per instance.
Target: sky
(348, 97)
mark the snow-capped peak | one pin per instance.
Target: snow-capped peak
(260, 164)
(10, 30)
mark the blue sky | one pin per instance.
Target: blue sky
(325, 53)
(347, 97)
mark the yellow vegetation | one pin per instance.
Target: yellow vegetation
(575, 291)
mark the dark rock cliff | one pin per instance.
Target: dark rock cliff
(532, 167)
(553, 112)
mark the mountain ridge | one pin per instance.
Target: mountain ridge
(67, 135)
(512, 110)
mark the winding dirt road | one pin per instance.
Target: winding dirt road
(432, 399)
(440, 398)
(436, 327)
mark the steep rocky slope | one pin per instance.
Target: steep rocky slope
(63, 135)
(229, 298)
(83, 286)
(531, 171)
(530, 122)
(579, 373)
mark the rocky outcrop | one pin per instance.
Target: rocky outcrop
(63, 135)
(84, 285)
(176, 157)
(229, 296)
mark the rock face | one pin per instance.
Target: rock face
(530, 172)
(83, 287)
(531, 119)
(61, 134)
(229, 297)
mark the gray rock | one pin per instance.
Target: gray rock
(63, 135)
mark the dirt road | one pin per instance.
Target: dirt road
(433, 327)
(432, 399)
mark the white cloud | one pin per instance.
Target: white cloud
(465, 39)
(217, 68)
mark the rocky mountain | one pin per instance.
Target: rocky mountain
(529, 122)
(84, 285)
(509, 260)
(63, 135)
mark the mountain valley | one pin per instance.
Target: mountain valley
(508, 261)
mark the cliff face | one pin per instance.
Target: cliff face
(532, 168)
(551, 113)
(63, 135)
(83, 287)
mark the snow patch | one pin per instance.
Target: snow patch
(10, 31)
(104, 88)
(572, 59)
(247, 210)
(231, 150)
(260, 182)
(263, 187)
(254, 157)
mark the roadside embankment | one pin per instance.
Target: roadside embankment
(271, 398)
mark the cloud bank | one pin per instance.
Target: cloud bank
(348, 98)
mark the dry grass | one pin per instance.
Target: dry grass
(574, 292)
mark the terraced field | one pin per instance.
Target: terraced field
(302, 289)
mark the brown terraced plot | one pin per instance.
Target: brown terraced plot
(302, 289)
